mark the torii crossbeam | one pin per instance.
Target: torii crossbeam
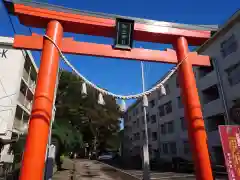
(57, 20)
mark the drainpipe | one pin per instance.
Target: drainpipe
(222, 91)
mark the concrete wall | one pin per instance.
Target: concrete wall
(11, 69)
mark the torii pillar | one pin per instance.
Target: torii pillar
(56, 20)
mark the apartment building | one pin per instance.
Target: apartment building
(218, 87)
(18, 73)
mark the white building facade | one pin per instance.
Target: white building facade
(218, 88)
(18, 73)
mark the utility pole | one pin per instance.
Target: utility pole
(146, 174)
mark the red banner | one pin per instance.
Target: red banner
(230, 138)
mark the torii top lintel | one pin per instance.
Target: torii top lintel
(38, 15)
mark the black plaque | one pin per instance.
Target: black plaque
(124, 34)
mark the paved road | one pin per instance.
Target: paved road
(167, 175)
(94, 170)
(90, 170)
(163, 175)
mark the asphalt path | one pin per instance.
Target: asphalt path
(167, 175)
(85, 169)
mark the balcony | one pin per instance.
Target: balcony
(32, 86)
(21, 118)
(23, 100)
(25, 75)
(29, 80)
(17, 123)
(210, 94)
(213, 107)
(214, 138)
(207, 81)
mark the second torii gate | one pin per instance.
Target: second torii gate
(57, 20)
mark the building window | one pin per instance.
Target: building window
(143, 134)
(152, 103)
(153, 119)
(183, 124)
(161, 110)
(186, 147)
(229, 46)
(129, 117)
(150, 149)
(210, 94)
(148, 118)
(163, 129)
(203, 71)
(168, 107)
(179, 101)
(233, 74)
(154, 136)
(165, 108)
(173, 147)
(219, 156)
(165, 148)
(214, 121)
(170, 127)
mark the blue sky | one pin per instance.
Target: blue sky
(121, 76)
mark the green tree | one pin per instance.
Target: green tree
(81, 119)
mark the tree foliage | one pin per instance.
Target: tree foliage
(81, 119)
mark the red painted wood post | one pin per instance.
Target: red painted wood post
(35, 149)
(193, 113)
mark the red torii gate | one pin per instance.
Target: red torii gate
(57, 20)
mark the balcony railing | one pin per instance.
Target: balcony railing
(24, 101)
(21, 98)
(30, 83)
(17, 123)
(25, 75)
